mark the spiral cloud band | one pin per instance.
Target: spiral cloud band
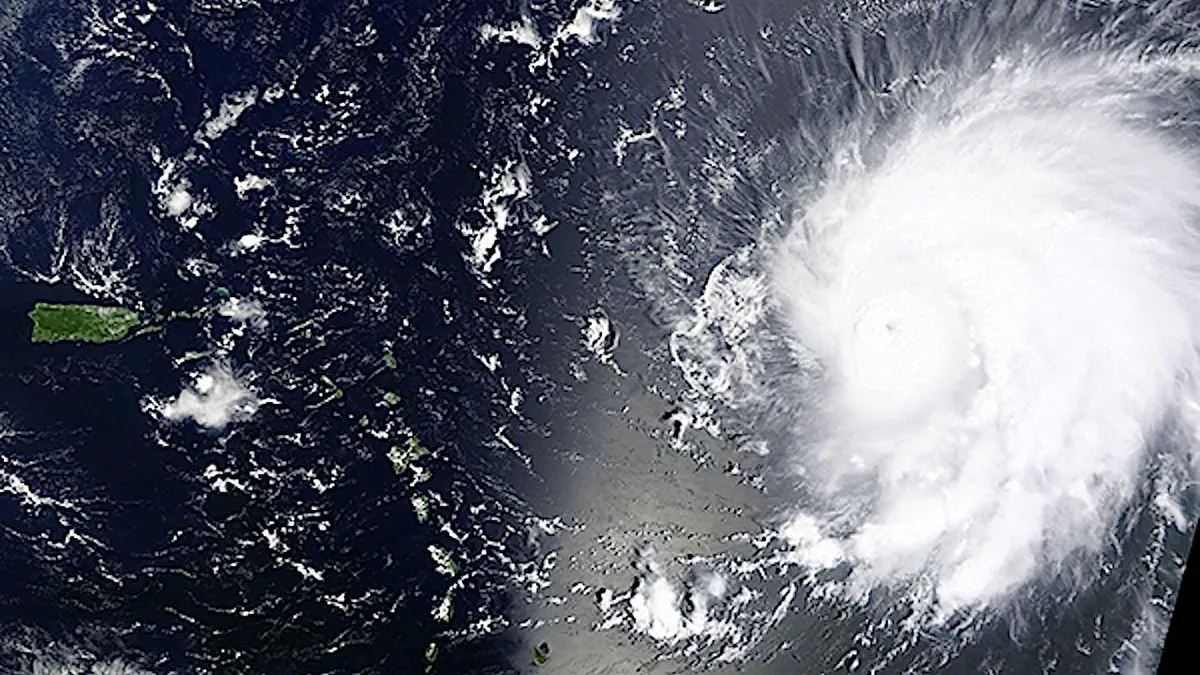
(1003, 294)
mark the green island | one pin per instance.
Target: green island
(443, 560)
(431, 654)
(80, 323)
(403, 456)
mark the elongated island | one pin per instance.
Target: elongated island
(81, 323)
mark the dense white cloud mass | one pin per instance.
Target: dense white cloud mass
(1005, 307)
(659, 608)
(215, 398)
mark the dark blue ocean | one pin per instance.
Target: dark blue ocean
(472, 226)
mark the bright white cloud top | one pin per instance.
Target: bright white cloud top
(1005, 309)
(214, 399)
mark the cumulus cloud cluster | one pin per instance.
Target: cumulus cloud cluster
(214, 399)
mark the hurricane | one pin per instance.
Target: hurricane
(1006, 308)
(940, 265)
(598, 336)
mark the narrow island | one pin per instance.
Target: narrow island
(80, 323)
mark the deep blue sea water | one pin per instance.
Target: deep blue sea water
(175, 575)
(352, 198)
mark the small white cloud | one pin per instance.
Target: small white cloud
(250, 183)
(226, 117)
(249, 242)
(661, 609)
(810, 547)
(245, 312)
(117, 667)
(523, 32)
(587, 18)
(655, 609)
(179, 200)
(214, 399)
